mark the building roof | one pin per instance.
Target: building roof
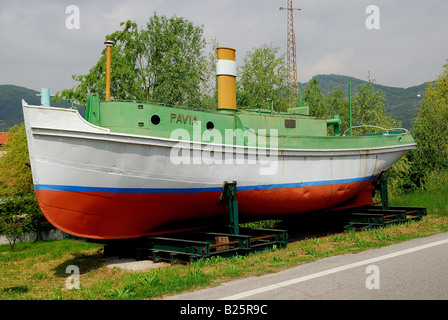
(3, 137)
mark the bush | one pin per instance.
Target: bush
(19, 215)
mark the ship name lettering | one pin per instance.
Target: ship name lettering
(182, 118)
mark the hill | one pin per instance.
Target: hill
(402, 103)
(11, 104)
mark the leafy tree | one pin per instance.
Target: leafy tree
(208, 86)
(19, 215)
(315, 99)
(163, 62)
(19, 211)
(400, 176)
(338, 103)
(327, 103)
(262, 76)
(15, 176)
(368, 108)
(431, 127)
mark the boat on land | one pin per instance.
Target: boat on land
(131, 169)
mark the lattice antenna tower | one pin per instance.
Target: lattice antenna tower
(292, 55)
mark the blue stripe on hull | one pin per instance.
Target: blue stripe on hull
(196, 190)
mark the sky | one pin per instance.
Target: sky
(401, 43)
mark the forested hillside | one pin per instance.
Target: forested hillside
(11, 104)
(402, 103)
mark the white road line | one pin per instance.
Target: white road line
(331, 271)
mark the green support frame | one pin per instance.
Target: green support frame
(189, 246)
(379, 216)
(228, 199)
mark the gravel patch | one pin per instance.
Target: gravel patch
(133, 265)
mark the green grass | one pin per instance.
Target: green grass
(436, 202)
(38, 270)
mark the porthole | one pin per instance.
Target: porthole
(155, 119)
(210, 125)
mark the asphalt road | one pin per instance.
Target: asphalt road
(413, 270)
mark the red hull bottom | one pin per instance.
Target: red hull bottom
(104, 215)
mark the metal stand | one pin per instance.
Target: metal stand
(193, 245)
(228, 198)
(374, 216)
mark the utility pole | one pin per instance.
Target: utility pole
(292, 56)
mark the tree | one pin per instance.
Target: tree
(19, 211)
(263, 77)
(338, 104)
(19, 215)
(368, 108)
(15, 175)
(163, 62)
(431, 127)
(315, 99)
(209, 88)
(326, 104)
